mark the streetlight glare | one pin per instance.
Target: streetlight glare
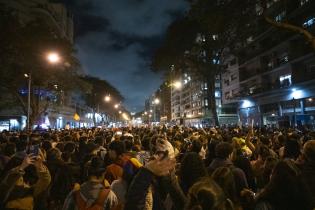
(116, 106)
(177, 85)
(156, 101)
(107, 98)
(53, 57)
(26, 75)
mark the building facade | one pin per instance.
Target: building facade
(272, 79)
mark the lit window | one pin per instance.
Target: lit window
(206, 102)
(215, 37)
(285, 80)
(309, 22)
(217, 94)
(280, 16)
(302, 2)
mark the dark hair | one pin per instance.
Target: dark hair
(9, 149)
(146, 143)
(99, 140)
(69, 147)
(53, 154)
(285, 189)
(207, 195)
(224, 177)
(21, 145)
(291, 149)
(196, 146)
(128, 144)
(309, 151)
(192, 169)
(47, 145)
(118, 147)
(223, 150)
(95, 167)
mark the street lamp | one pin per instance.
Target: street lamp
(107, 98)
(156, 101)
(53, 57)
(177, 85)
(116, 106)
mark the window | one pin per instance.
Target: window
(302, 2)
(215, 37)
(206, 102)
(217, 94)
(285, 80)
(280, 16)
(205, 86)
(309, 22)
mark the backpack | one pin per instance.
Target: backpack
(99, 203)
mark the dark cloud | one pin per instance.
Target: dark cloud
(116, 39)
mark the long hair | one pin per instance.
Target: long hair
(285, 190)
(191, 170)
(207, 195)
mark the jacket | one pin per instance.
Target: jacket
(149, 192)
(90, 193)
(22, 197)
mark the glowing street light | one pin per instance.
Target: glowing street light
(116, 106)
(156, 101)
(120, 112)
(53, 57)
(177, 84)
(107, 98)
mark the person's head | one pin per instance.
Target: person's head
(96, 169)
(9, 149)
(21, 145)
(223, 150)
(46, 145)
(309, 151)
(99, 140)
(285, 189)
(291, 149)
(116, 149)
(146, 143)
(192, 169)
(207, 195)
(224, 177)
(69, 147)
(196, 145)
(263, 152)
(53, 155)
(92, 148)
(163, 146)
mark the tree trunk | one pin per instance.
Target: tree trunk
(212, 101)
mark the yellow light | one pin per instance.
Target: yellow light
(310, 99)
(116, 106)
(53, 57)
(156, 101)
(26, 75)
(107, 98)
(119, 112)
(177, 85)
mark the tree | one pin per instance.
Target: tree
(294, 25)
(95, 98)
(24, 46)
(198, 42)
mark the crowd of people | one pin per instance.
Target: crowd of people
(158, 168)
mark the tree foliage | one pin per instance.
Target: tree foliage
(24, 47)
(197, 43)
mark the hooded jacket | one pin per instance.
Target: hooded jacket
(89, 192)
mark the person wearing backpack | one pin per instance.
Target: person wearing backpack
(92, 194)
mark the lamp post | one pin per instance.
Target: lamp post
(52, 58)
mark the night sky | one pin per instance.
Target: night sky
(116, 39)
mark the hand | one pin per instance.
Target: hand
(28, 160)
(38, 163)
(161, 167)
